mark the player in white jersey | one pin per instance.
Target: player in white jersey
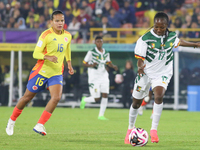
(98, 79)
(155, 68)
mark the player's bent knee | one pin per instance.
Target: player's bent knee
(136, 105)
(159, 99)
(97, 99)
(56, 99)
(105, 95)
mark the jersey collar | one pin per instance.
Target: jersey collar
(152, 32)
(99, 51)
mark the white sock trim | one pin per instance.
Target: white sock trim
(11, 121)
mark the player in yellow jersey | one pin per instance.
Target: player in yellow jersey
(53, 45)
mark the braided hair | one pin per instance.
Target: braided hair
(161, 15)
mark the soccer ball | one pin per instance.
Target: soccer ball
(138, 137)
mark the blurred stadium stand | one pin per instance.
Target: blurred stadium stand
(22, 21)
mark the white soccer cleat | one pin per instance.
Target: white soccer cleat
(10, 127)
(39, 128)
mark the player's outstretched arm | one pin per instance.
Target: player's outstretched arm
(189, 44)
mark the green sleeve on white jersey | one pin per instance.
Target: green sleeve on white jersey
(177, 40)
(141, 48)
(88, 56)
(108, 57)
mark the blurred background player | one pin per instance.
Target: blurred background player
(98, 79)
(155, 68)
(127, 84)
(53, 45)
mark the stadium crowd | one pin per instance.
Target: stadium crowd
(86, 14)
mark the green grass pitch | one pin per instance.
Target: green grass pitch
(75, 129)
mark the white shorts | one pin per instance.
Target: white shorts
(143, 84)
(97, 88)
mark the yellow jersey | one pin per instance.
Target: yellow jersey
(51, 44)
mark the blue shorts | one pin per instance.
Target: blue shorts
(39, 82)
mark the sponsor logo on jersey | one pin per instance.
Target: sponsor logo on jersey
(34, 87)
(138, 88)
(95, 90)
(97, 57)
(66, 39)
(152, 45)
(54, 39)
(171, 44)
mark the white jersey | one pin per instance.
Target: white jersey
(157, 56)
(98, 74)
